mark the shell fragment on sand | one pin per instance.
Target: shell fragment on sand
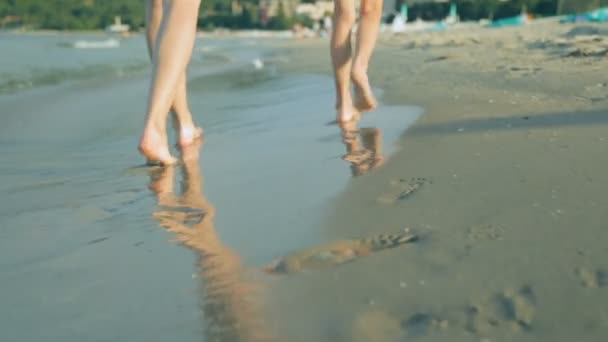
(402, 189)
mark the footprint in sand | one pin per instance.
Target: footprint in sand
(402, 189)
(522, 71)
(485, 232)
(421, 324)
(593, 279)
(376, 325)
(511, 309)
(337, 253)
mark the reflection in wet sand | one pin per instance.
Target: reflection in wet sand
(363, 147)
(364, 153)
(228, 294)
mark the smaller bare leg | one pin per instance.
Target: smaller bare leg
(367, 34)
(188, 131)
(341, 53)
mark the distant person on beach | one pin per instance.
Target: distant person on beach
(346, 67)
(327, 24)
(170, 32)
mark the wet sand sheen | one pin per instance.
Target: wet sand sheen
(82, 230)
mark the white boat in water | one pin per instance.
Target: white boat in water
(100, 44)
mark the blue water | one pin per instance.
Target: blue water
(31, 60)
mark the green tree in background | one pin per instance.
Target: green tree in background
(496, 9)
(578, 6)
(74, 14)
(98, 14)
(280, 21)
(250, 16)
(5, 8)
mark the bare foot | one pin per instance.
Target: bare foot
(347, 114)
(189, 134)
(153, 145)
(364, 97)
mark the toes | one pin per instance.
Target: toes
(161, 161)
(365, 102)
(157, 158)
(347, 117)
(170, 161)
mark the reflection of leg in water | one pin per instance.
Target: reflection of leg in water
(372, 141)
(363, 156)
(228, 296)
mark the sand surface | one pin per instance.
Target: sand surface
(513, 142)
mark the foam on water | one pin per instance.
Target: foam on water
(32, 60)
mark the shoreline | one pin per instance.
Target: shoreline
(258, 33)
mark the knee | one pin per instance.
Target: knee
(372, 8)
(345, 15)
(186, 3)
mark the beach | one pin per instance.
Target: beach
(513, 139)
(493, 146)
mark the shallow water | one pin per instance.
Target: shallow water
(86, 251)
(33, 60)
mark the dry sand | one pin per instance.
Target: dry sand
(513, 143)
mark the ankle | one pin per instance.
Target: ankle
(184, 119)
(186, 125)
(345, 106)
(155, 126)
(344, 101)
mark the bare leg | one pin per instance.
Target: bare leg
(341, 53)
(187, 130)
(171, 56)
(367, 34)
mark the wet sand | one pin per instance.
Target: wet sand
(513, 142)
(95, 245)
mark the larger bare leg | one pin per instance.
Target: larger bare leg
(186, 127)
(172, 52)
